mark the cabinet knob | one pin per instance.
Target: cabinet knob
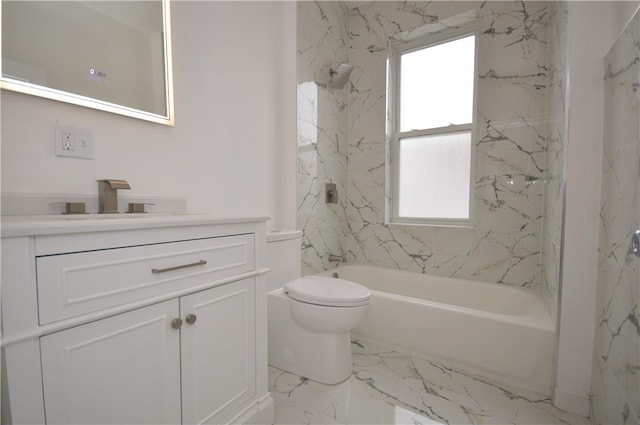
(191, 319)
(176, 323)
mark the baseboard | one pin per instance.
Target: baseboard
(266, 412)
(580, 404)
(260, 412)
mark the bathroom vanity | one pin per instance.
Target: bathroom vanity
(134, 319)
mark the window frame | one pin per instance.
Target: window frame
(396, 49)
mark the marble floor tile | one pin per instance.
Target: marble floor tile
(390, 387)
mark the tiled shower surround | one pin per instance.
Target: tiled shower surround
(322, 132)
(342, 139)
(616, 366)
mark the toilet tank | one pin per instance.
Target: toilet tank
(283, 257)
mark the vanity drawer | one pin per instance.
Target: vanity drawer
(73, 284)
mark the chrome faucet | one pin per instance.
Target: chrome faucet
(108, 195)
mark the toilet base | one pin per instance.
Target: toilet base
(321, 357)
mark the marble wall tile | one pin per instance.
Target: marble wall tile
(616, 372)
(609, 405)
(322, 132)
(505, 244)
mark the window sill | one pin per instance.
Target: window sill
(452, 225)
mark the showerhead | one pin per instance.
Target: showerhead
(340, 76)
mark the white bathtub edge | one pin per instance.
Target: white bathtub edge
(513, 349)
(579, 404)
(540, 323)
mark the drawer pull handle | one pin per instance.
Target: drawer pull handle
(191, 319)
(184, 266)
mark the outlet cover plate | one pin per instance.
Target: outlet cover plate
(74, 142)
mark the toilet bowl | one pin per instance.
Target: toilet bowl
(310, 320)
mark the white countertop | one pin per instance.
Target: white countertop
(29, 225)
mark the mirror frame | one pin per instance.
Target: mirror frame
(11, 84)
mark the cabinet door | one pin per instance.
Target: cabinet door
(121, 370)
(218, 352)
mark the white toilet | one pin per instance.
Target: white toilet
(310, 317)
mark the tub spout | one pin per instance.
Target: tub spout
(337, 258)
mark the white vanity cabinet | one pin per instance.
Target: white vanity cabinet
(218, 374)
(122, 369)
(115, 321)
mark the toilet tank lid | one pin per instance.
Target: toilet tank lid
(283, 235)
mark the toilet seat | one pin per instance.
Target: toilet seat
(328, 291)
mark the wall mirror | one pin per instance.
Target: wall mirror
(109, 55)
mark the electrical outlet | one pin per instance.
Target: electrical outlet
(66, 136)
(74, 142)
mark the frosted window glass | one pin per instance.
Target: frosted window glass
(436, 85)
(435, 174)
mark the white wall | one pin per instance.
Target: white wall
(232, 150)
(593, 28)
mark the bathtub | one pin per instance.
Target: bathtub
(499, 332)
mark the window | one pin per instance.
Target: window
(431, 105)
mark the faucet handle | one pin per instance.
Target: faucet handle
(72, 207)
(138, 207)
